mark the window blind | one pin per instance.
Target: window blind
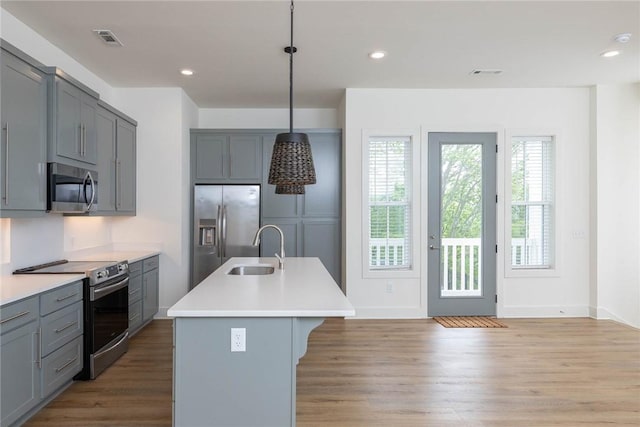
(389, 203)
(532, 202)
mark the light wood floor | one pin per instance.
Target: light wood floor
(538, 372)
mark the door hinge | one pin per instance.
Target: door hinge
(496, 198)
(496, 248)
(496, 148)
(496, 297)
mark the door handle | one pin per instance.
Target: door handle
(219, 230)
(6, 168)
(93, 192)
(224, 231)
(433, 247)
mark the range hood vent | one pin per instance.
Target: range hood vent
(108, 37)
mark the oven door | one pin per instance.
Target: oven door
(109, 305)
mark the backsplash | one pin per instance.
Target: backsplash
(29, 241)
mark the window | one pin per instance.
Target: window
(389, 203)
(532, 199)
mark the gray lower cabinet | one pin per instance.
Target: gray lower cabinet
(19, 367)
(72, 112)
(143, 292)
(40, 350)
(116, 140)
(23, 143)
(135, 296)
(150, 283)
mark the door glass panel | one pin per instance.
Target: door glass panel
(461, 220)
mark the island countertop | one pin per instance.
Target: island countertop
(303, 289)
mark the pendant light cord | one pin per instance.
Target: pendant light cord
(291, 75)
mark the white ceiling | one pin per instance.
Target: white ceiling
(235, 47)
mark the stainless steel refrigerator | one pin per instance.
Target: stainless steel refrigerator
(225, 219)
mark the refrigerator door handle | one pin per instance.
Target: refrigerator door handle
(219, 231)
(224, 231)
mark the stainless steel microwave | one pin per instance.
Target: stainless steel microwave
(71, 189)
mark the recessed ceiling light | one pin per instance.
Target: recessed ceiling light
(186, 72)
(610, 53)
(378, 54)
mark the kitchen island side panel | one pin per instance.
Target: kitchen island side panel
(214, 386)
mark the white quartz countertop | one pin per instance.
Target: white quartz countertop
(303, 289)
(130, 256)
(16, 287)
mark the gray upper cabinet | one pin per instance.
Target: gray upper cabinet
(116, 140)
(23, 143)
(72, 112)
(126, 166)
(106, 134)
(323, 198)
(224, 158)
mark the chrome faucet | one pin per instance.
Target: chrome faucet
(256, 242)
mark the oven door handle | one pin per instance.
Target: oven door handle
(111, 347)
(100, 292)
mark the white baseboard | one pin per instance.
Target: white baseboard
(544, 311)
(389, 313)
(602, 313)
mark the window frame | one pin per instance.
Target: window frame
(532, 271)
(413, 201)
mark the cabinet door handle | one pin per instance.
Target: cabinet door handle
(118, 184)
(24, 313)
(79, 138)
(66, 297)
(39, 353)
(6, 165)
(65, 327)
(69, 362)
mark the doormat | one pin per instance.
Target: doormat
(469, 322)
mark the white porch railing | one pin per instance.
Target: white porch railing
(461, 262)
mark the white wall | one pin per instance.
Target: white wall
(267, 118)
(164, 116)
(555, 110)
(617, 215)
(33, 44)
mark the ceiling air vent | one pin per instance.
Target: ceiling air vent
(108, 37)
(486, 71)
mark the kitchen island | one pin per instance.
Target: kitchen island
(238, 339)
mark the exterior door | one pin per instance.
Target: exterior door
(461, 224)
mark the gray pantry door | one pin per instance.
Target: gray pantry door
(461, 254)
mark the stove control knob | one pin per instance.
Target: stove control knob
(101, 274)
(122, 267)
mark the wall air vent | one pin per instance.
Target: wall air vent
(486, 71)
(108, 37)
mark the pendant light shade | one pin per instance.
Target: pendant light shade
(289, 189)
(291, 162)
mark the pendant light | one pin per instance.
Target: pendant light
(291, 162)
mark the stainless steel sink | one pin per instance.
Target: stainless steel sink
(251, 270)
